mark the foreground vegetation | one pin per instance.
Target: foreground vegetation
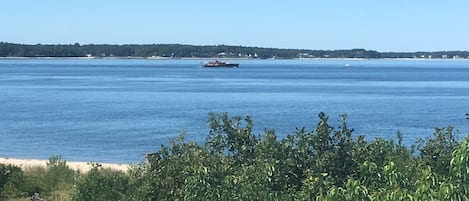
(234, 163)
(208, 51)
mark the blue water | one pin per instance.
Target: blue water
(118, 110)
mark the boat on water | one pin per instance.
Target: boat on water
(214, 64)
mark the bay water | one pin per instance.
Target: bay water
(117, 110)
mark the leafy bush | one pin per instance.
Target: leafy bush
(436, 151)
(9, 177)
(324, 163)
(101, 185)
(55, 182)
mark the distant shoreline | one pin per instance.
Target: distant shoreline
(210, 58)
(74, 165)
(184, 51)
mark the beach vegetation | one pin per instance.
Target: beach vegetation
(325, 162)
(100, 184)
(55, 181)
(9, 176)
(197, 51)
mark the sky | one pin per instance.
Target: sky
(382, 25)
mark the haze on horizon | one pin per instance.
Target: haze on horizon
(301, 24)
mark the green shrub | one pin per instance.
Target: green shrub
(436, 151)
(58, 174)
(325, 163)
(102, 185)
(10, 179)
(55, 181)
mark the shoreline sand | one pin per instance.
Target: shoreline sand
(74, 165)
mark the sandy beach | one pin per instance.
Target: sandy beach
(81, 166)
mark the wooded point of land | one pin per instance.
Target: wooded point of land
(209, 51)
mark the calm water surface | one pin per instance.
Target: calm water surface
(118, 110)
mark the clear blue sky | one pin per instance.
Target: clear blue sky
(383, 25)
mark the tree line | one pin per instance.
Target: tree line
(208, 51)
(324, 163)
